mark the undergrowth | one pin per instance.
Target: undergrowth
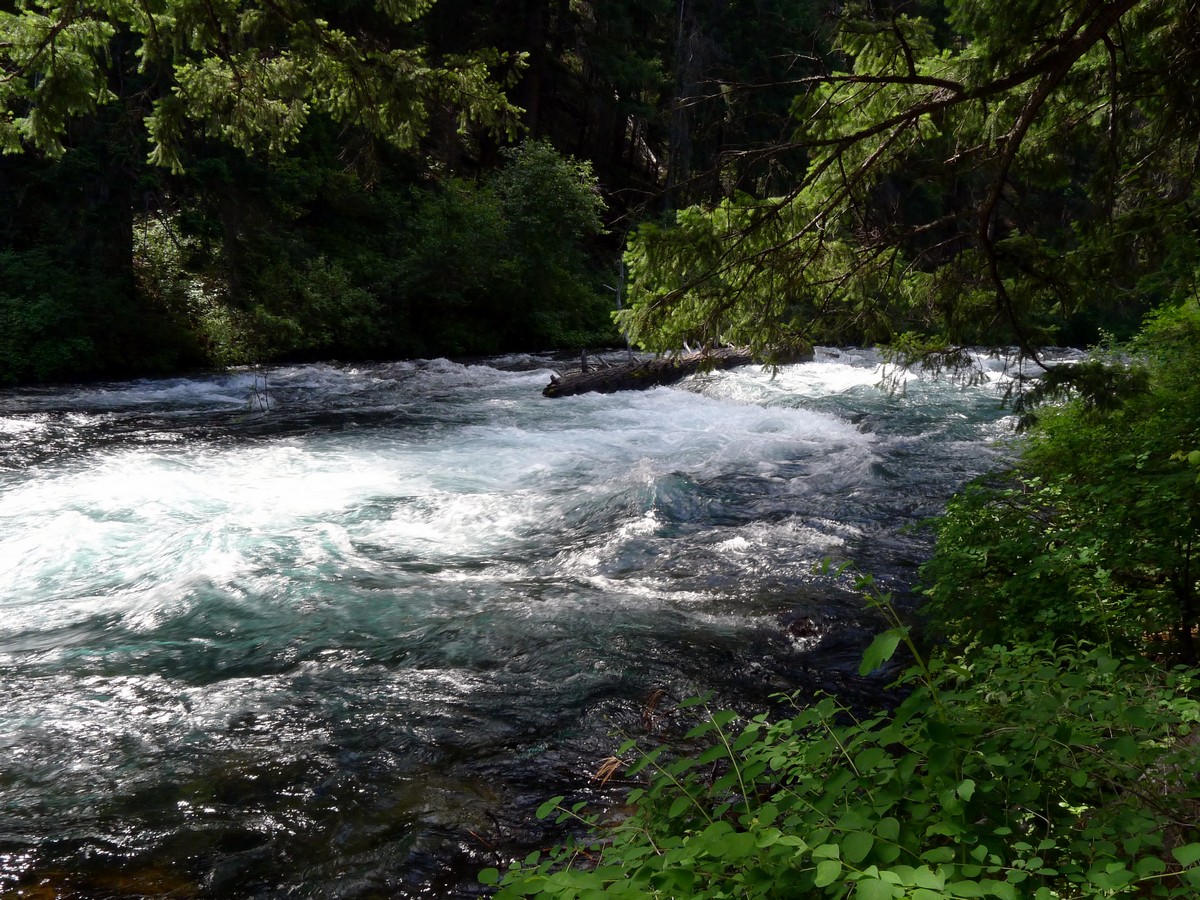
(1045, 771)
(1047, 750)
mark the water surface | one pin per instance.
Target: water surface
(333, 631)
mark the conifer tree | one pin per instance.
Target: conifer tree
(250, 74)
(982, 172)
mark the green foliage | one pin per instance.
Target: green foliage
(503, 265)
(314, 264)
(687, 285)
(314, 308)
(1040, 771)
(973, 183)
(170, 272)
(40, 331)
(251, 75)
(1042, 755)
(1094, 534)
(61, 318)
(452, 270)
(551, 204)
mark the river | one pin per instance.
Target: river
(334, 631)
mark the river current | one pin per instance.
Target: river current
(335, 631)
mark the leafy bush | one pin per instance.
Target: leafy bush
(1046, 756)
(551, 205)
(61, 318)
(40, 335)
(175, 270)
(1046, 771)
(502, 265)
(1095, 533)
(314, 308)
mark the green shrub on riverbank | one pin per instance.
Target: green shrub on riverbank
(1047, 750)
(1034, 771)
(296, 259)
(1094, 533)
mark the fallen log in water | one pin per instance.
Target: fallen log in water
(637, 376)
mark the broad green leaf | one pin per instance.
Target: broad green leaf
(856, 846)
(1187, 855)
(965, 889)
(1149, 865)
(938, 855)
(881, 650)
(678, 806)
(888, 828)
(827, 851)
(873, 889)
(1001, 889)
(927, 878)
(828, 871)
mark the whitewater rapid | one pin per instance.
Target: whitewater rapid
(334, 631)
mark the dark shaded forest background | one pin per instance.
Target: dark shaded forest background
(348, 247)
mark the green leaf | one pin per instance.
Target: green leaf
(489, 876)
(965, 889)
(1126, 747)
(678, 806)
(549, 806)
(869, 759)
(1150, 865)
(927, 878)
(888, 828)
(881, 649)
(856, 846)
(736, 847)
(828, 871)
(873, 889)
(1187, 855)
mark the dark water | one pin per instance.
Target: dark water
(335, 632)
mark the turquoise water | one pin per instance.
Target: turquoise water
(332, 631)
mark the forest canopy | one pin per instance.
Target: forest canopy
(925, 175)
(972, 173)
(249, 74)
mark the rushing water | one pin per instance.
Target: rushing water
(333, 632)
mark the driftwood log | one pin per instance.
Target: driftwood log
(638, 376)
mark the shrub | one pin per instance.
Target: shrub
(1095, 533)
(1047, 771)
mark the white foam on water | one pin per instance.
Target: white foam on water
(142, 528)
(24, 426)
(207, 577)
(252, 590)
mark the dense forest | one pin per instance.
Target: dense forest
(214, 183)
(207, 184)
